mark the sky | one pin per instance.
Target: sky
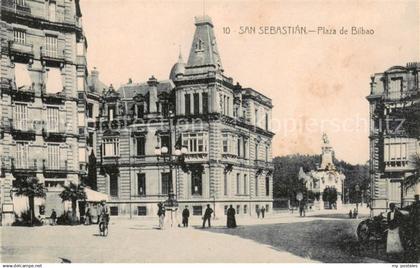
(317, 82)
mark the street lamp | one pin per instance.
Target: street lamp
(357, 189)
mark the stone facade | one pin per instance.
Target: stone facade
(225, 128)
(44, 85)
(394, 103)
(325, 176)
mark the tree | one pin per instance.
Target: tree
(31, 188)
(414, 179)
(330, 195)
(73, 192)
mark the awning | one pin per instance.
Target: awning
(94, 196)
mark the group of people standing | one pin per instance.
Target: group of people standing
(260, 211)
(231, 214)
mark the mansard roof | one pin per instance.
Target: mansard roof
(204, 55)
(128, 91)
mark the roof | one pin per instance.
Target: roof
(128, 91)
(204, 53)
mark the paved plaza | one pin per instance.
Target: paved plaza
(274, 239)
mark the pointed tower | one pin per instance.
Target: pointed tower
(204, 55)
(178, 68)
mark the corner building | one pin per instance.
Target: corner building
(225, 127)
(394, 104)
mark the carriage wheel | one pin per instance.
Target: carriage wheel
(363, 231)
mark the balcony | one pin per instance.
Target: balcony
(55, 170)
(397, 165)
(52, 58)
(14, 7)
(22, 132)
(23, 168)
(20, 52)
(54, 135)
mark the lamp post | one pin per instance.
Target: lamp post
(357, 190)
(172, 160)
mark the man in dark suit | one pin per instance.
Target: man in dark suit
(185, 216)
(207, 215)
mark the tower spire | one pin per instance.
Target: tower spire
(204, 53)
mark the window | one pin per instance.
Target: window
(196, 97)
(21, 116)
(113, 211)
(165, 142)
(89, 110)
(111, 113)
(266, 153)
(111, 147)
(196, 182)
(395, 87)
(256, 117)
(267, 186)
(19, 36)
(197, 210)
(245, 209)
(227, 105)
(266, 121)
(52, 11)
(187, 104)
(225, 210)
(267, 207)
(21, 2)
(54, 81)
(195, 142)
(238, 209)
(205, 97)
(142, 211)
(52, 119)
(238, 189)
(51, 46)
(141, 145)
(141, 184)
(225, 183)
(165, 182)
(256, 151)
(140, 110)
(21, 155)
(225, 143)
(199, 46)
(113, 184)
(89, 141)
(245, 184)
(239, 147)
(245, 145)
(256, 186)
(53, 156)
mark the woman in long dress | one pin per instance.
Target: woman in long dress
(231, 221)
(393, 241)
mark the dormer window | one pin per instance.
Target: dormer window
(199, 45)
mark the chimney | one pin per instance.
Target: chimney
(153, 98)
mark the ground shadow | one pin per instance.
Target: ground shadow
(320, 240)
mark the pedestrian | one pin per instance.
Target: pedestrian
(355, 213)
(262, 212)
(258, 212)
(350, 214)
(88, 216)
(415, 228)
(231, 221)
(302, 209)
(53, 217)
(185, 216)
(161, 215)
(393, 241)
(207, 215)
